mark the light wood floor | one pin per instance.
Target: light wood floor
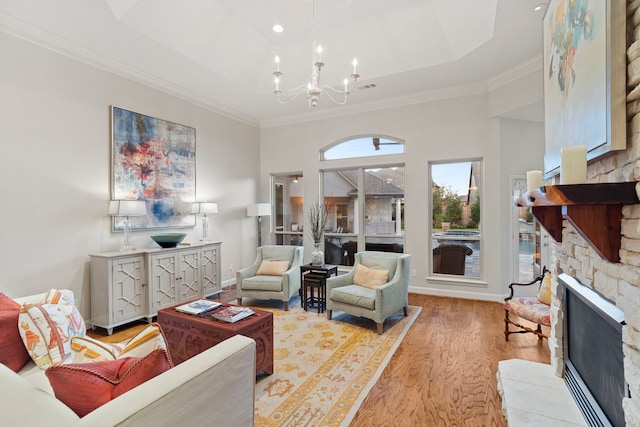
(444, 371)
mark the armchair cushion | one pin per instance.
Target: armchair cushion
(355, 295)
(369, 277)
(263, 283)
(269, 267)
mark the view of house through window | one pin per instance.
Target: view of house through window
(367, 203)
(289, 216)
(455, 218)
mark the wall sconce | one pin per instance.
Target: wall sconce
(127, 208)
(294, 178)
(204, 208)
(259, 210)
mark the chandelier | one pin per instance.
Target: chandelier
(314, 89)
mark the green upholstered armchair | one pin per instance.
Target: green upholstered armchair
(280, 286)
(376, 303)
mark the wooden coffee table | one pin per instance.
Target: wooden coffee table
(188, 335)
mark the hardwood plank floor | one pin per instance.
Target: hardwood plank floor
(444, 371)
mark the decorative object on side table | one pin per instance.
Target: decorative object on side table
(169, 240)
(204, 208)
(127, 208)
(317, 216)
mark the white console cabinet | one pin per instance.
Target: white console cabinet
(135, 285)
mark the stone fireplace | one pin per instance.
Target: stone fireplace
(617, 282)
(593, 359)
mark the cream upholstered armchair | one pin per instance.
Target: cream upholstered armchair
(275, 274)
(376, 287)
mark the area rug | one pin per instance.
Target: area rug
(323, 369)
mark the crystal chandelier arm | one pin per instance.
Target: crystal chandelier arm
(285, 96)
(341, 92)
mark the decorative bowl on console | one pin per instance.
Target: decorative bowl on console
(169, 240)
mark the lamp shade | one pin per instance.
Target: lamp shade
(259, 209)
(204, 208)
(127, 208)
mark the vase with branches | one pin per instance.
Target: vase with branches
(317, 216)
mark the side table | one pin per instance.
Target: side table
(314, 281)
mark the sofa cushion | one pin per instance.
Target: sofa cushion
(272, 267)
(12, 351)
(355, 295)
(369, 277)
(47, 329)
(25, 404)
(86, 386)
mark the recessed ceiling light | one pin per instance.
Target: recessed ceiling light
(278, 28)
(540, 7)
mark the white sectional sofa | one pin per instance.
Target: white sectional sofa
(216, 387)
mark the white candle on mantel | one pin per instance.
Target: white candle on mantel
(534, 180)
(573, 165)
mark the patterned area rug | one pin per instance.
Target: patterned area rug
(323, 369)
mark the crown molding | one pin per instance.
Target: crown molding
(51, 42)
(387, 103)
(524, 69)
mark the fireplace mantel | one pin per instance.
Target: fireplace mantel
(594, 210)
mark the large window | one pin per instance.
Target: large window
(366, 211)
(289, 215)
(455, 191)
(363, 147)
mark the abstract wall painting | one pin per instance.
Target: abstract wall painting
(584, 69)
(153, 160)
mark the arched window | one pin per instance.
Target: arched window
(362, 146)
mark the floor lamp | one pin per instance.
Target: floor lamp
(259, 210)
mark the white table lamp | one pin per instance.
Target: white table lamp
(127, 208)
(204, 208)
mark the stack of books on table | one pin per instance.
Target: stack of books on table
(198, 307)
(232, 313)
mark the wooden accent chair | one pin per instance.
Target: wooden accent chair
(450, 259)
(533, 309)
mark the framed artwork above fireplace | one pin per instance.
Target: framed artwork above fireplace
(584, 75)
(153, 160)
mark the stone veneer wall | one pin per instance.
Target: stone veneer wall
(618, 282)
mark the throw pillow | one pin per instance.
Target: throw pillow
(13, 353)
(87, 349)
(370, 278)
(544, 293)
(270, 267)
(87, 386)
(47, 329)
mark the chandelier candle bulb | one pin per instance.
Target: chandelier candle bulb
(355, 63)
(277, 59)
(319, 59)
(573, 165)
(534, 180)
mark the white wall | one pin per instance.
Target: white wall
(55, 169)
(458, 128)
